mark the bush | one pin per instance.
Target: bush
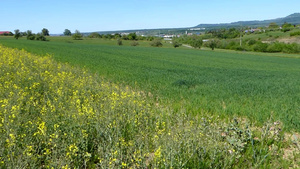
(31, 37)
(156, 43)
(119, 42)
(240, 48)
(286, 29)
(212, 44)
(196, 42)
(260, 47)
(94, 35)
(132, 36)
(291, 48)
(222, 44)
(134, 43)
(150, 38)
(77, 35)
(67, 32)
(251, 42)
(17, 34)
(275, 47)
(40, 37)
(231, 45)
(125, 37)
(176, 43)
(295, 33)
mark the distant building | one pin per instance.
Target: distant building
(197, 29)
(252, 30)
(4, 32)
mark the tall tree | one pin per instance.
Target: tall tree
(67, 32)
(175, 42)
(45, 32)
(212, 44)
(77, 35)
(17, 34)
(196, 42)
(30, 35)
(273, 25)
(132, 36)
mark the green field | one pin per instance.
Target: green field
(240, 84)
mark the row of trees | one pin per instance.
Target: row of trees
(253, 45)
(194, 41)
(224, 33)
(130, 36)
(31, 36)
(284, 27)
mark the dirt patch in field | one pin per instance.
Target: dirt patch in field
(293, 151)
(290, 40)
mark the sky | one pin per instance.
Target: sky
(111, 15)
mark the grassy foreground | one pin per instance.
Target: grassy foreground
(57, 116)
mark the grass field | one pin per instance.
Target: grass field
(229, 84)
(53, 115)
(149, 108)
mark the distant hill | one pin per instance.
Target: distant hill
(293, 19)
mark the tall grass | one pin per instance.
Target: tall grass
(54, 115)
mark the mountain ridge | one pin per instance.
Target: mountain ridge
(293, 19)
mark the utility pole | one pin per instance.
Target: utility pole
(240, 39)
(241, 36)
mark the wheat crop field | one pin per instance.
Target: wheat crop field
(94, 104)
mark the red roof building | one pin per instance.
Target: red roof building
(4, 32)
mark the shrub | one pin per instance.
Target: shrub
(134, 43)
(212, 44)
(240, 48)
(251, 42)
(295, 33)
(77, 35)
(67, 32)
(45, 32)
(125, 37)
(286, 29)
(150, 38)
(291, 48)
(231, 45)
(260, 47)
(275, 47)
(17, 34)
(40, 37)
(176, 43)
(94, 35)
(132, 36)
(119, 42)
(196, 42)
(31, 37)
(156, 43)
(222, 44)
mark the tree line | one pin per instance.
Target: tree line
(31, 36)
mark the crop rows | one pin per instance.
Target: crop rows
(53, 115)
(223, 83)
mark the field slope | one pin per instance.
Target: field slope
(228, 84)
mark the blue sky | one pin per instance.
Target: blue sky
(106, 15)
